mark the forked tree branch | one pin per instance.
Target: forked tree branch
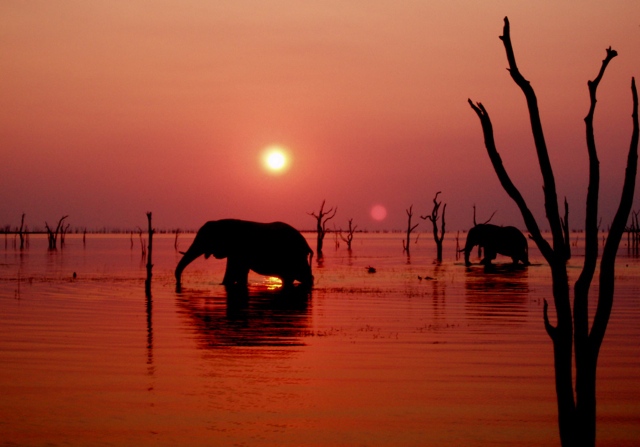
(583, 284)
(550, 195)
(607, 264)
(507, 184)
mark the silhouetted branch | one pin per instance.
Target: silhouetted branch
(486, 221)
(434, 221)
(53, 235)
(549, 188)
(321, 220)
(576, 414)
(405, 243)
(565, 230)
(175, 242)
(607, 264)
(349, 238)
(20, 232)
(147, 282)
(143, 247)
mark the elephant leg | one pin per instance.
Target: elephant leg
(489, 255)
(236, 273)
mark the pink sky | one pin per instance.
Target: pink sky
(111, 109)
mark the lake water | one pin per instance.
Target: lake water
(458, 357)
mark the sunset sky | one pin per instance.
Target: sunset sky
(114, 108)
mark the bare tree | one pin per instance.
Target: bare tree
(565, 230)
(321, 220)
(147, 282)
(63, 233)
(349, 238)
(434, 221)
(175, 242)
(475, 223)
(576, 407)
(633, 234)
(406, 243)
(53, 235)
(143, 241)
(21, 232)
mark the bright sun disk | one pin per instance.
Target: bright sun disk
(275, 159)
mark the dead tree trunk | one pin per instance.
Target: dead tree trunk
(147, 283)
(565, 230)
(21, 232)
(576, 408)
(63, 234)
(175, 242)
(53, 235)
(406, 243)
(485, 222)
(321, 220)
(434, 221)
(349, 238)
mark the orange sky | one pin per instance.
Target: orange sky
(111, 109)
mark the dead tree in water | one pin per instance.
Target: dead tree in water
(564, 222)
(483, 223)
(21, 232)
(406, 243)
(175, 243)
(53, 235)
(576, 407)
(143, 247)
(633, 234)
(349, 238)
(147, 282)
(63, 233)
(434, 220)
(321, 220)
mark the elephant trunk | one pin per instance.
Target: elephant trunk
(189, 256)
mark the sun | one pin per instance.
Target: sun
(378, 212)
(276, 159)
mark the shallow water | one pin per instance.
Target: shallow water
(458, 357)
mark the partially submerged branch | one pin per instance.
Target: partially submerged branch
(321, 220)
(435, 215)
(406, 243)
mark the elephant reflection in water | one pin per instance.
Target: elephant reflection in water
(271, 249)
(248, 317)
(499, 295)
(507, 241)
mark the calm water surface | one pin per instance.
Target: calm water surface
(458, 357)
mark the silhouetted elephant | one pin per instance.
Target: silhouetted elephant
(272, 249)
(508, 241)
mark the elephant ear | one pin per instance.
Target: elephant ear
(218, 248)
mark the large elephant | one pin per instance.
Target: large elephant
(272, 249)
(508, 241)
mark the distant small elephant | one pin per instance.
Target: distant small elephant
(272, 249)
(508, 241)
